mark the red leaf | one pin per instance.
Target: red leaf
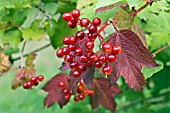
(25, 73)
(109, 7)
(87, 76)
(55, 93)
(103, 94)
(134, 55)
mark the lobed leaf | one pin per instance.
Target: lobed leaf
(103, 94)
(55, 93)
(129, 63)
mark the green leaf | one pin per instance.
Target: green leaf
(12, 37)
(148, 72)
(81, 4)
(102, 3)
(51, 7)
(29, 61)
(158, 23)
(122, 19)
(35, 34)
(65, 6)
(1, 38)
(158, 40)
(133, 3)
(132, 95)
(61, 31)
(5, 4)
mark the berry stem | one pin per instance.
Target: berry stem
(135, 12)
(114, 25)
(105, 24)
(100, 38)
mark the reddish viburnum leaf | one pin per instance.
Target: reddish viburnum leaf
(55, 93)
(25, 73)
(129, 63)
(103, 94)
(4, 63)
(138, 31)
(109, 7)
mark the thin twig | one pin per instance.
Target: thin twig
(134, 13)
(21, 56)
(37, 50)
(159, 50)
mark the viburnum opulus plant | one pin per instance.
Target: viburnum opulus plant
(99, 43)
(123, 53)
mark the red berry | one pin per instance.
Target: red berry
(106, 47)
(116, 50)
(78, 51)
(76, 73)
(111, 58)
(66, 91)
(82, 82)
(80, 88)
(84, 22)
(76, 99)
(89, 63)
(74, 20)
(92, 37)
(81, 97)
(25, 85)
(107, 70)
(89, 45)
(65, 50)
(72, 40)
(40, 78)
(89, 51)
(71, 25)
(98, 64)
(30, 84)
(90, 93)
(74, 65)
(33, 79)
(102, 59)
(83, 58)
(80, 35)
(96, 21)
(81, 68)
(85, 92)
(93, 57)
(67, 97)
(36, 84)
(71, 47)
(75, 13)
(70, 92)
(61, 84)
(66, 40)
(68, 58)
(92, 29)
(66, 16)
(59, 53)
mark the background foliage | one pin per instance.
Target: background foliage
(39, 23)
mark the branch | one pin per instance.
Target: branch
(134, 13)
(159, 50)
(142, 100)
(37, 50)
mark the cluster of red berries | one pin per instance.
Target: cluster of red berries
(33, 81)
(81, 91)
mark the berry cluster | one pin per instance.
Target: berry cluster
(33, 81)
(81, 91)
(82, 57)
